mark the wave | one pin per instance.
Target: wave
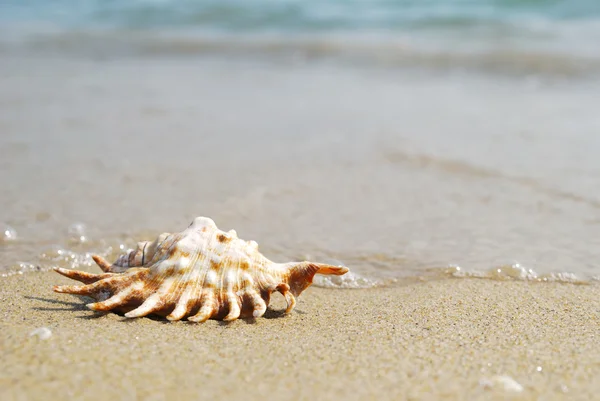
(516, 272)
(301, 15)
(359, 51)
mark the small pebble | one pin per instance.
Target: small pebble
(43, 333)
(505, 382)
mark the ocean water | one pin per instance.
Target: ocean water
(503, 36)
(408, 140)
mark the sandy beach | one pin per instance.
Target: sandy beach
(411, 144)
(448, 339)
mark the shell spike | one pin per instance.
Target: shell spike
(301, 274)
(234, 309)
(102, 263)
(84, 277)
(330, 269)
(151, 304)
(284, 289)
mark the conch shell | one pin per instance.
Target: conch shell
(200, 273)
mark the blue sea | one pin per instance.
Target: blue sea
(496, 36)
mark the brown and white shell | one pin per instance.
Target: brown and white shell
(200, 273)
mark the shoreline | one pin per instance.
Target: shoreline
(452, 339)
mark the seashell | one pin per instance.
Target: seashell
(200, 273)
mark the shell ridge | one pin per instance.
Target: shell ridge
(115, 300)
(280, 272)
(237, 286)
(225, 298)
(191, 287)
(205, 292)
(157, 269)
(220, 281)
(268, 274)
(186, 294)
(149, 305)
(242, 285)
(261, 283)
(156, 246)
(185, 283)
(205, 295)
(250, 296)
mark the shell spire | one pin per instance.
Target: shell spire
(200, 273)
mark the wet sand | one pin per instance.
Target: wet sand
(391, 173)
(448, 339)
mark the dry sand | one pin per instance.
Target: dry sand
(450, 339)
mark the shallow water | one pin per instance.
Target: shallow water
(398, 174)
(512, 37)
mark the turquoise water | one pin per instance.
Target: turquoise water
(306, 16)
(494, 36)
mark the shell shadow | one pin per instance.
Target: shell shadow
(275, 314)
(68, 306)
(81, 307)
